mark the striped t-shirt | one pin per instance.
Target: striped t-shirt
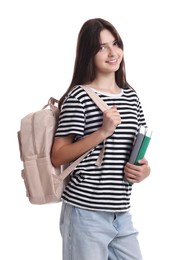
(100, 187)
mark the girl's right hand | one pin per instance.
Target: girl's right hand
(111, 119)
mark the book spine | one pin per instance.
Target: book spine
(136, 148)
(143, 149)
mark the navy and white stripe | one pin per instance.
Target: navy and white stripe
(101, 187)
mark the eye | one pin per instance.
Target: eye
(102, 48)
(116, 43)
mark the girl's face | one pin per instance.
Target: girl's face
(109, 57)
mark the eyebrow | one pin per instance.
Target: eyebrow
(105, 43)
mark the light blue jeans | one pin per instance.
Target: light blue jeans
(96, 235)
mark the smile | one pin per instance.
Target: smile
(113, 61)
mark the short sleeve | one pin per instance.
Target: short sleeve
(141, 117)
(71, 119)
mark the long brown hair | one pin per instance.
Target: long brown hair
(88, 44)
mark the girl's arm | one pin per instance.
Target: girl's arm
(65, 151)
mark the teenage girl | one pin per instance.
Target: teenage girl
(95, 219)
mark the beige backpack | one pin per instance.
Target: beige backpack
(44, 183)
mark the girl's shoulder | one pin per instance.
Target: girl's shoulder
(130, 92)
(78, 93)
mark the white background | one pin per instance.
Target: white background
(37, 50)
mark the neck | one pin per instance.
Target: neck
(108, 86)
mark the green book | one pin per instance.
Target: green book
(140, 146)
(137, 144)
(144, 146)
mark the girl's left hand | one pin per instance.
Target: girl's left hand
(137, 173)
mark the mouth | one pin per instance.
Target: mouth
(112, 61)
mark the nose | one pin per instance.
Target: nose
(112, 50)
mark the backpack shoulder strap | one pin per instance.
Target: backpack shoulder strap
(99, 102)
(72, 166)
(103, 106)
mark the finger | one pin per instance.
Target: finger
(133, 177)
(114, 108)
(143, 161)
(131, 166)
